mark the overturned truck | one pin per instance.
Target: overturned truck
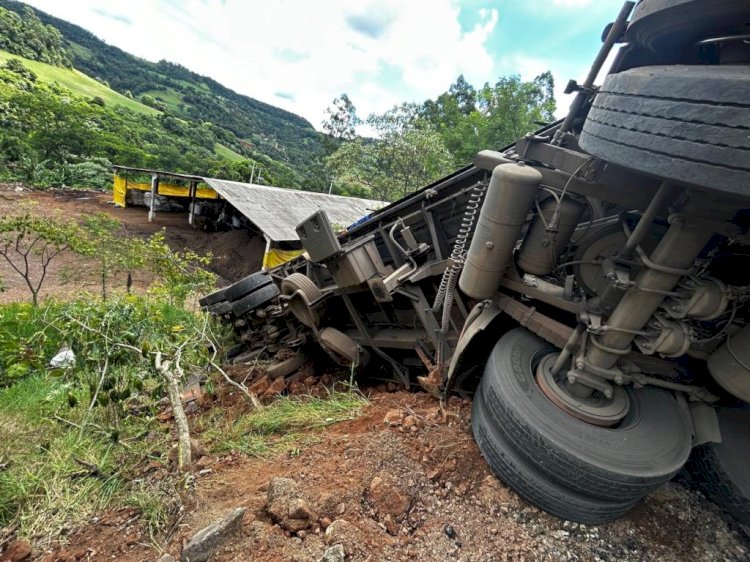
(589, 284)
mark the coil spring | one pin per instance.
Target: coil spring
(444, 297)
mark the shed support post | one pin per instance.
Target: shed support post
(193, 189)
(265, 253)
(154, 191)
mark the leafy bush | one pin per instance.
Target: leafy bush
(90, 173)
(124, 332)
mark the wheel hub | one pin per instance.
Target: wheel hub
(595, 408)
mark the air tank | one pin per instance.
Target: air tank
(509, 198)
(728, 365)
(548, 235)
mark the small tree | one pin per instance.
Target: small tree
(340, 123)
(181, 273)
(29, 244)
(109, 250)
(407, 155)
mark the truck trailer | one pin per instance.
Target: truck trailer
(588, 285)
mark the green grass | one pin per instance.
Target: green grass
(170, 97)
(227, 153)
(283, 425)
(46, 485)
(79, 83)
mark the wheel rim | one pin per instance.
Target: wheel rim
(595, 409)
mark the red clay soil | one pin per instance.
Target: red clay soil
(406, 494)
(235, 253)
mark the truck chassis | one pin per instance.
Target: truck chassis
(588, 285)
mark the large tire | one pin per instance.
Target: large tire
(673, 25)
(722, 470)
(688, 124)
(220, 308)
(286, 366)
(342, 349)
(648, 447)
(255, 299)
(247, 285)
(212, 298)
(528, 481)
(310, 317)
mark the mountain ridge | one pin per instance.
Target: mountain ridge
(274, 132)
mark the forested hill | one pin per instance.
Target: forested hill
(244, 124)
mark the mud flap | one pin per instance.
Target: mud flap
(479, 319)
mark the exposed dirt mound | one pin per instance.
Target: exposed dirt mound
(405, 482)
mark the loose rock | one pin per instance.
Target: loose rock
(388, 499)
(346, 535)
(334, 553)
(393, 417)
(287, 508)
(204, 543)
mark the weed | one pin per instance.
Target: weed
(282, 425)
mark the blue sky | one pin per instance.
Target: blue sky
(300, 54)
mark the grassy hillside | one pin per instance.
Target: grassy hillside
(288, 142)
(227, 153)
(78, 83)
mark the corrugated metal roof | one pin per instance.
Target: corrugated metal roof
(276, 211)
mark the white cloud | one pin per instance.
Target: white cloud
(309, 51)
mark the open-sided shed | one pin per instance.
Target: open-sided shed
(274, 212)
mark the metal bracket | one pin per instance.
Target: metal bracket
(572, 87)
(705, 424)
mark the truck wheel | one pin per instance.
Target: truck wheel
(310, 317)
(720, 469)
(255, 299)
(286, 366)
(673, 25)
(247, 285)
(220, 308)
(342, 349)
(212, 298)
(528, 481)
(617, 464)
(683, 123)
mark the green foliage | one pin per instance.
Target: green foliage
(416, 144)
(52, 137)
(340, 123)
(77, 82)
(114, 253)
(70, 442)
(24, 34)
(124, 331)
(469, 121)
(55, 477)
(29, 242)
(246, 124)
(405, 157)
(180, 273)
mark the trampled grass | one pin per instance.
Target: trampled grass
(282, 425)
(79, 83)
